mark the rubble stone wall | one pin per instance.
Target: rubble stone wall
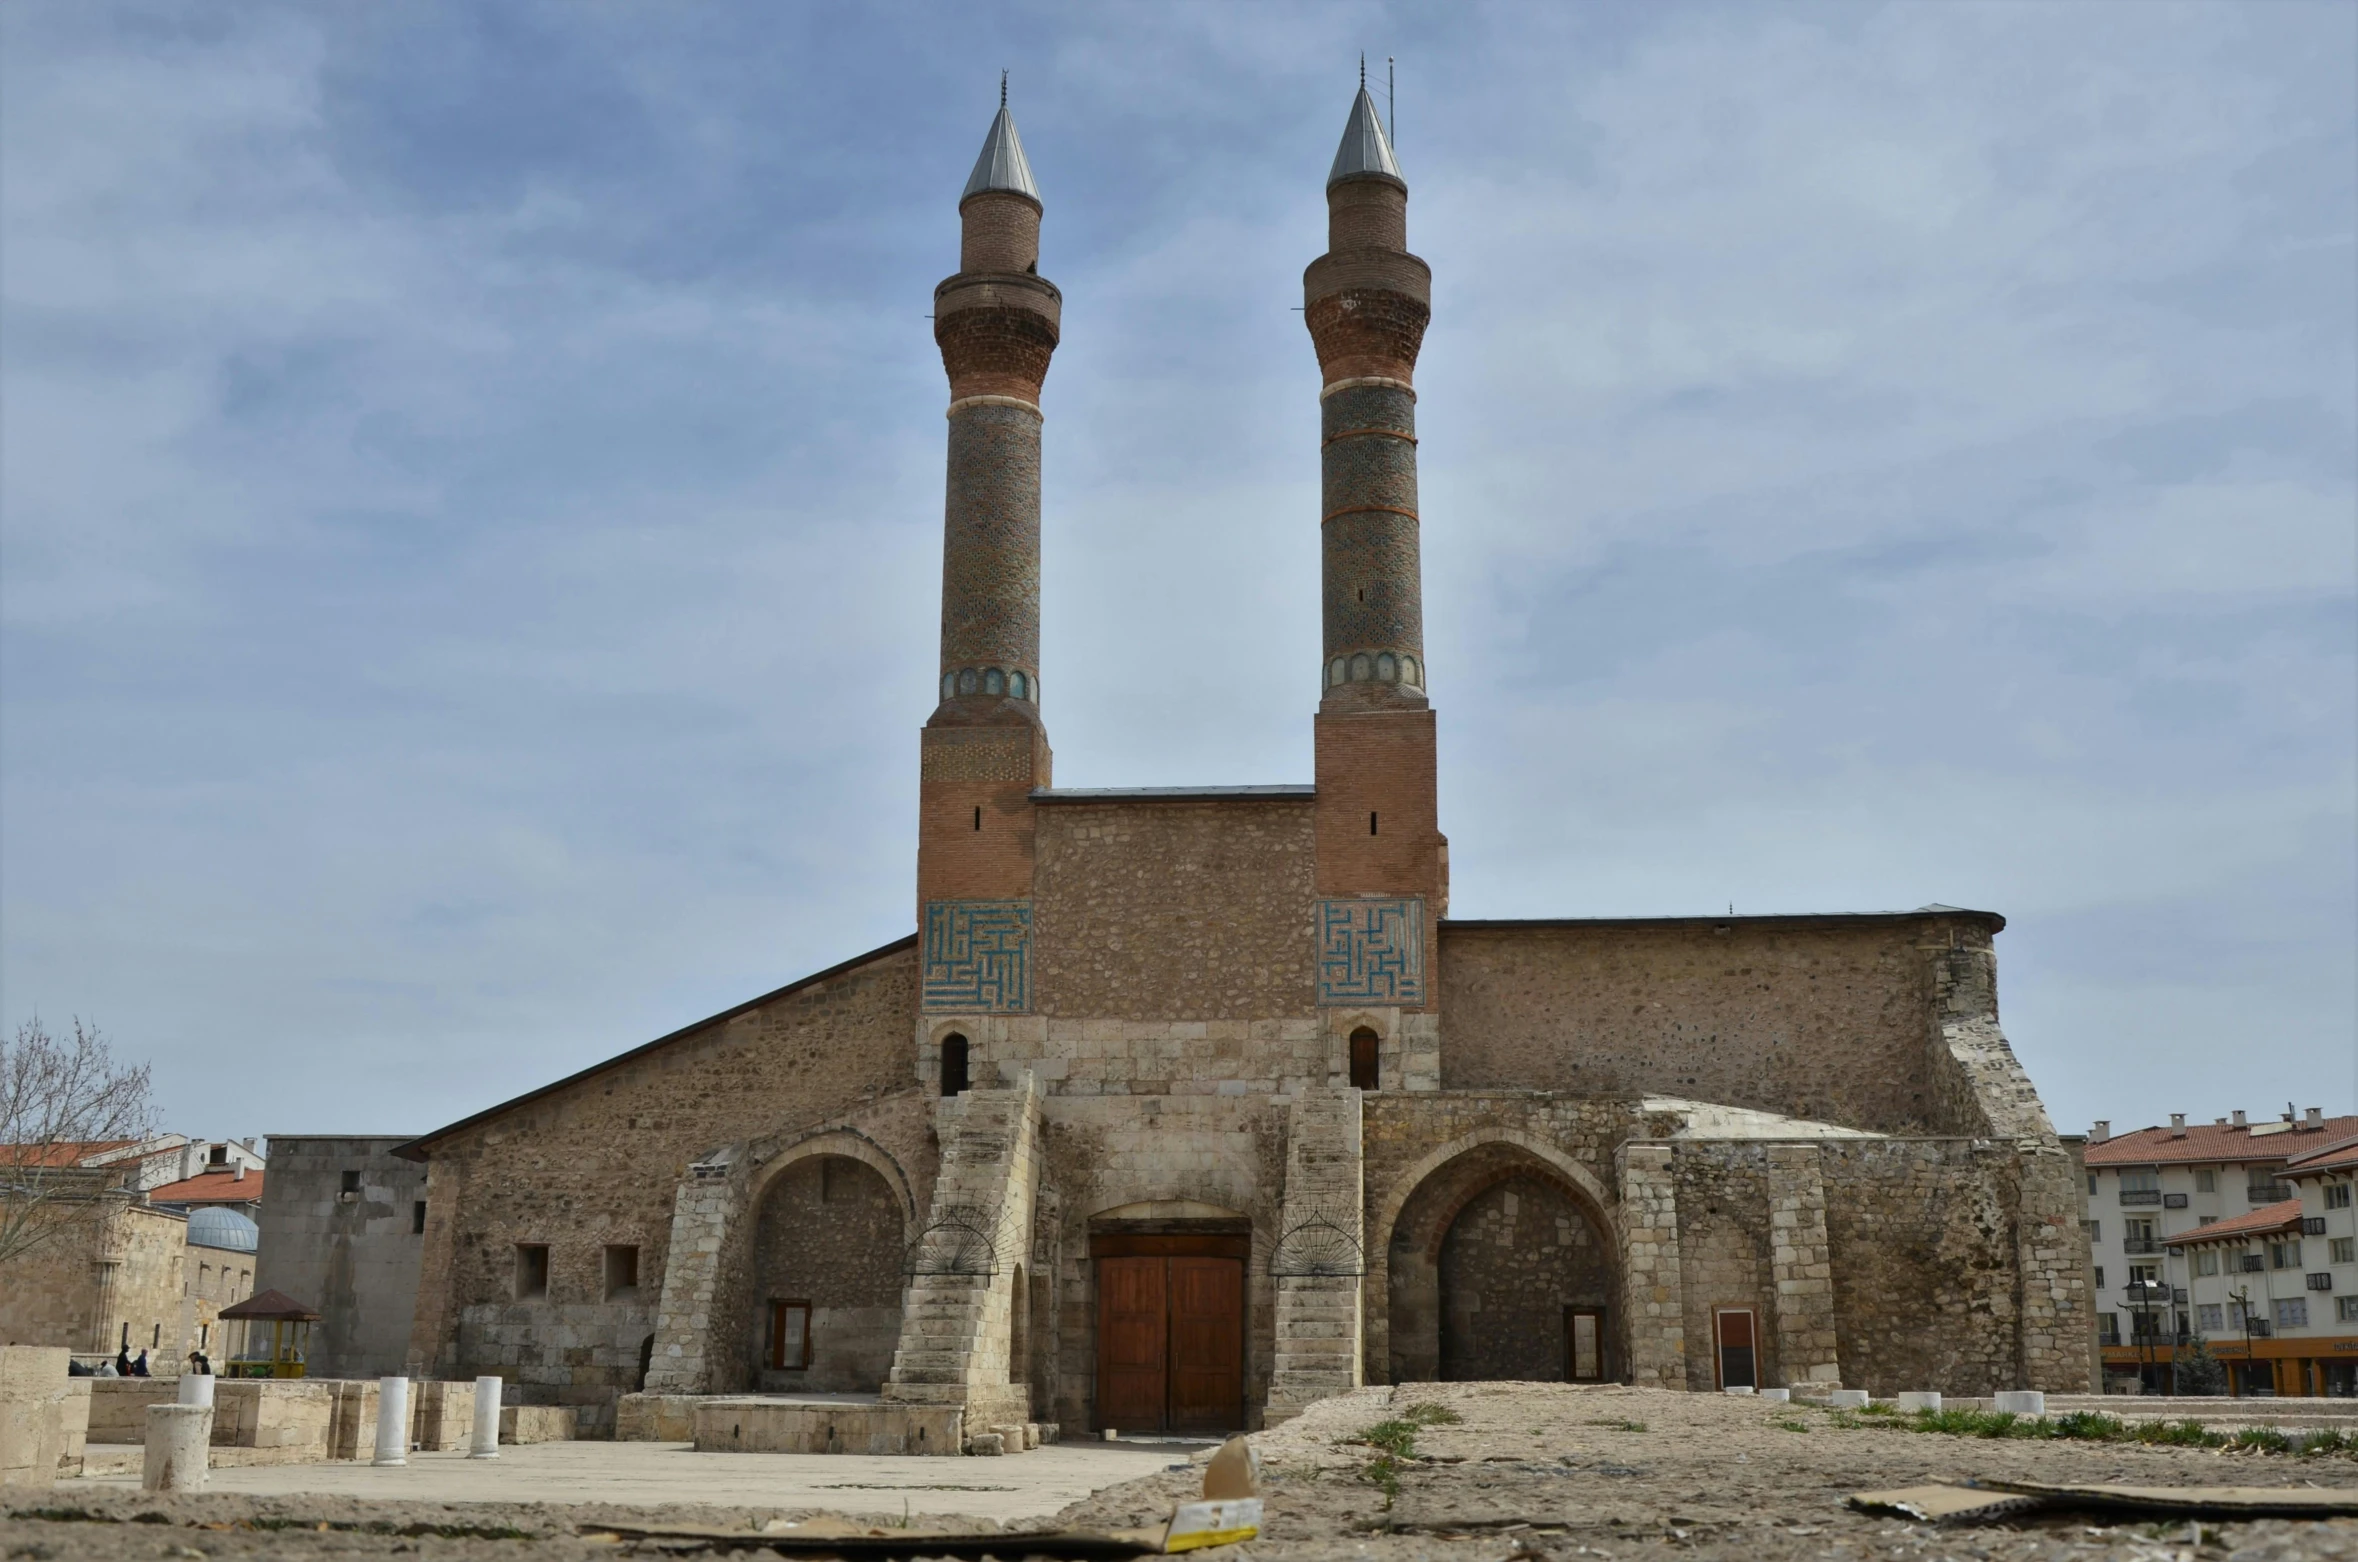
(598, 1161)
(830, 1233)
(1839, 1023)
(1167, 911)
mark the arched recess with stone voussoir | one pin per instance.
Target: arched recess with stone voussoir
(825, 1267)
(1502, 1262)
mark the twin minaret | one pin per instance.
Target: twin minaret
(1366, 301)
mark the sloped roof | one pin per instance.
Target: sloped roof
(415, 1149)
(2341, 1155)
(63, 1153)
(2223, 1142)
(1366, 148)
(215, 1185)
(2284, 1216)
(1002, 165)
(269, 1305)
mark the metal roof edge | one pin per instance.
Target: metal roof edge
(1996, 921)
(1169, 794)
(415, 1149)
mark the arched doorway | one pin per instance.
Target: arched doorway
(1500, 1269)
(826, 1278)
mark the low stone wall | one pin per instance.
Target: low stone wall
(539, 1424)
(655, 1418)
(731, 1425)
(44, 1415)
(118, 1406)
(286, 1420)
(441, 1415)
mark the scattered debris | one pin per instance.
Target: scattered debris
(1979, 1501)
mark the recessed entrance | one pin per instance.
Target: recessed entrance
(1170, 1332)
(1737, 1331)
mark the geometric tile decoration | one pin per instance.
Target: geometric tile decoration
(978, 956)
(1371, 951)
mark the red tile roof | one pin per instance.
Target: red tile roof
(2285, 1216)
(64, 1153)
(217, 1185)
(2339, 1156)
(2218, 1143)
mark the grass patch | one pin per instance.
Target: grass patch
(1620, 1426)
(2091, 1426)
(1794, 1426)
(1395, 1440)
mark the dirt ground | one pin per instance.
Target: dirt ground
(1532, 1473)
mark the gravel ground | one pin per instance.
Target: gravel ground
(1532, 1473)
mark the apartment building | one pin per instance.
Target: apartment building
(2201, 1230)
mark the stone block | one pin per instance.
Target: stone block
(2022, 1402)
(1918, 1399)
(44, 1415)
(549, 1423)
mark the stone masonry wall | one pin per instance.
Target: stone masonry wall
(830, 1233)
(1182, 1156)
(1516, 1256)
(1836, 1023)
(1174, 911)
(353, 1260)
(596, 1162)
(111, 1274)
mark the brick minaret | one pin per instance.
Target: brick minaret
(1366, 302)
(984, 748)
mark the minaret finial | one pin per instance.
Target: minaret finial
(1002, 88)
(1363, 70)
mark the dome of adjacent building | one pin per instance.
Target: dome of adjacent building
(223, 1228)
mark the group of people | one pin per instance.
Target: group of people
(126, 1365)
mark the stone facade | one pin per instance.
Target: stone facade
(1199, 1102)
(112, 1278)
(343, 1233)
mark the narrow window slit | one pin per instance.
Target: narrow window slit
(1371, 822)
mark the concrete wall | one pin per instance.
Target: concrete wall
(1827, 1018)
(599, 1161)
(352, 1259)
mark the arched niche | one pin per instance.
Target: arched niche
(1497, 1260)
(829, 1237)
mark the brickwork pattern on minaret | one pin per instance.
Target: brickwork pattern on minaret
(1374, 599)
(991, 553)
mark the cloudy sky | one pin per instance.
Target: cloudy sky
(472, 489)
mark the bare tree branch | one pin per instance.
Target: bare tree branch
(61, 1101)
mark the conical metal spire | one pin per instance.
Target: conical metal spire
(1002, 165)
(1366, 149)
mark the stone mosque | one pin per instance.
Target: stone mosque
(1184, 1107)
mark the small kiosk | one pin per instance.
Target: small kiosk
(277, 1336)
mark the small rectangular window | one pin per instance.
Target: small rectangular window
(2206, 1263)
(2342, 1250)
(1371, 822)
(349, 1191)
(2261, 1187)
(2284, 1255)
(622, 1271)
(2292, 1312)
(532, 1270)
(417, 1218)
(2108, 1328)
(1365, 1064)
(2211, 1317)
(2206, 1181)
(2345, 1309)
(2092, 1182)
(2099, 1277)
(2337, 1195)
(790, 1336)
(2095, 1230)
(217, 1156)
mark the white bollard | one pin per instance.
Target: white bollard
(392, 1421)
(2022, 1402)
(1847, 1399)
(1737, 1388)
(485, 1443)
(179, 1445)
(196, 1388)
(1919, 1400)
(1780, 1395)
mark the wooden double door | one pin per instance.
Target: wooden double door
(1170, 1333)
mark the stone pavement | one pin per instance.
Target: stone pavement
(1022, 1486)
